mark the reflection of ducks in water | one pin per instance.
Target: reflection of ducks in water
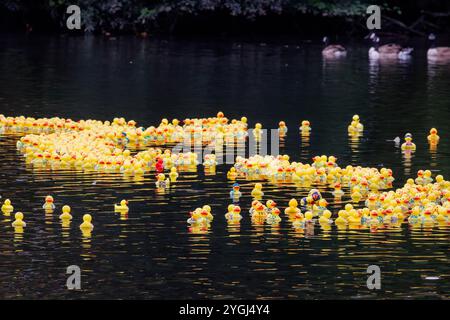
(388, 51)
(437, 54)
(333, 50)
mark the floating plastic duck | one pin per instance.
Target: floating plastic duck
(341, 218)
(257, 132)
(206, 208)
(235, 193)
(298, 220)
(87, 226)
(66, 213)
(338, 193)
(7, 206)
(356, 195)
(48, 205)
(259, 214)
(320, 207)
(314, 196)
(18, 222)
(233, 215)
(273, 217)
(309, 217)
(433, 137)
(282, 129)
(305, 128)
(161, 181)
(356, 127)
(325, 218)
(292, 209)
(232, 174)
(122, 207)
(173, 175)
(257, 192)
(408, 145)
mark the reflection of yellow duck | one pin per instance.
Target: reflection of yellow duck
(7, 207)
(87, 225)
(257, 191)
(122, 207)
(19, 223)
(48, 205)
(292, 209)
(65, 213)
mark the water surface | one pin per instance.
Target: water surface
(151, 254)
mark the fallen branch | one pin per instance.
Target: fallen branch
(401, 24)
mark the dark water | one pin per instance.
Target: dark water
(151, 254)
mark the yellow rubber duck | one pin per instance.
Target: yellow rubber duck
(408, 145)
(341, 219)
(18, 222)
(282, 128)
(48, 204)
(122, 207)
(232, 174)
(309, 217)
(427, 218)
(433, 137)
(356, 194)
(305, 128)
(7, 207)
(354, 217)
(257, 191)
(442, 214)
(87, 225)
(173, 175)
(325, 218)
(206, 208)
(161, 181)
(298, 220)
(292, 209)
(66, 213)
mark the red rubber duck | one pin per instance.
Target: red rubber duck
(159, 165)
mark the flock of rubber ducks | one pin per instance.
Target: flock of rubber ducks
(105, 146)
(66, 217)
(49, 207)
(389, 51)
(422, 202)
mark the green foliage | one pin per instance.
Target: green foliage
(100, 15)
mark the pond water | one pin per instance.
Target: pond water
(152, 254)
